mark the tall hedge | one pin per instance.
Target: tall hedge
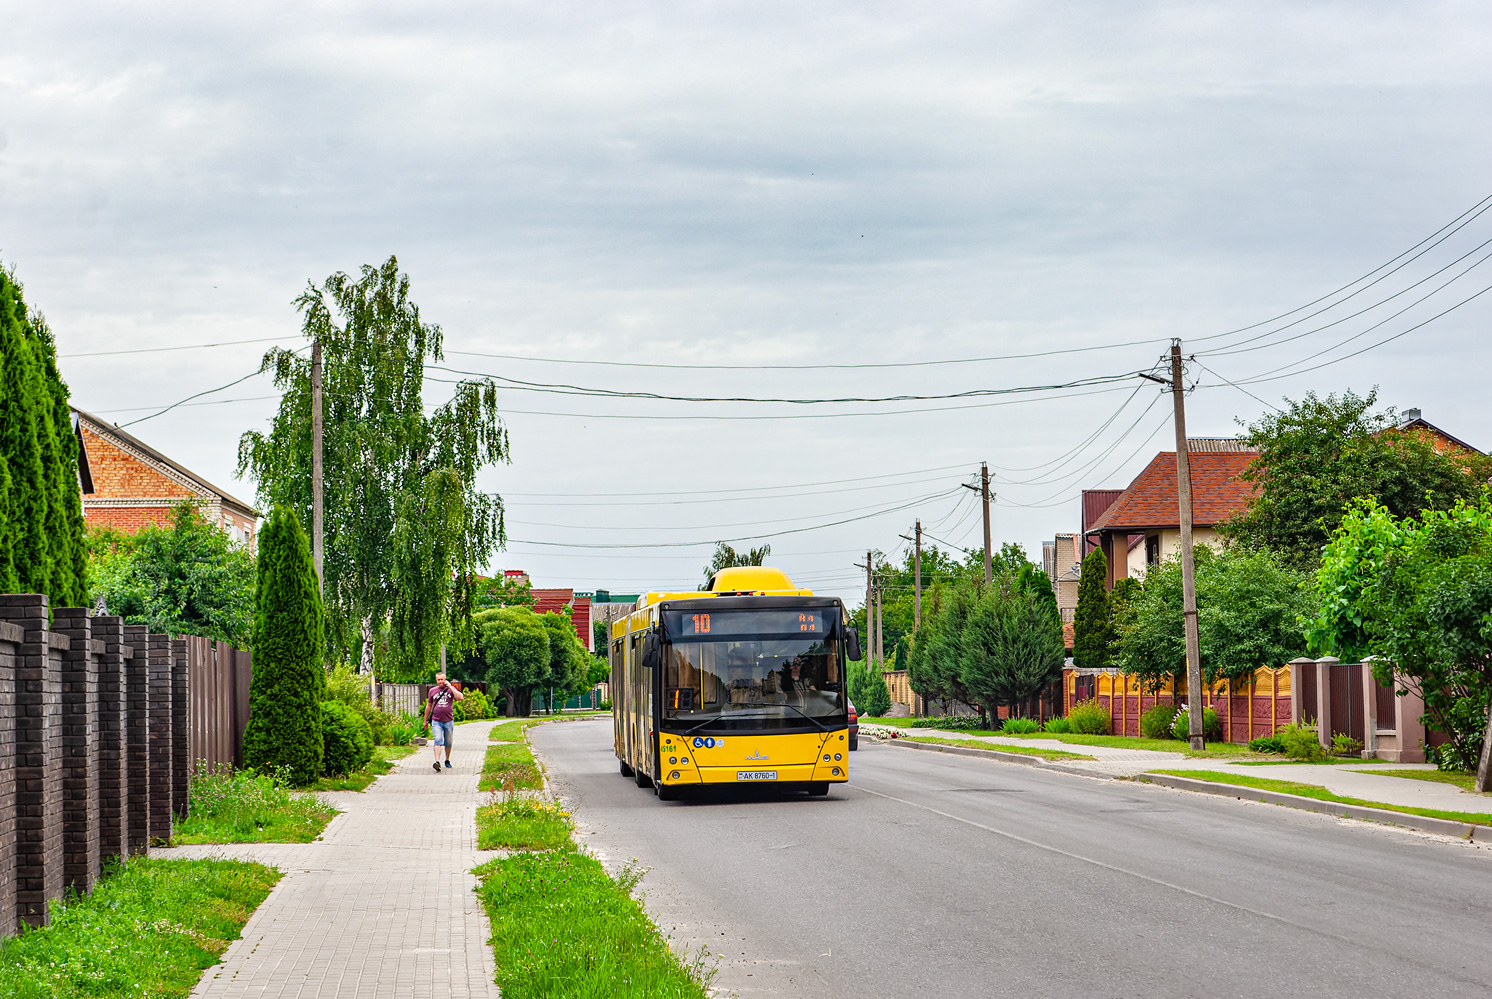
(42, 547)
(289, 682)
(1093, 621)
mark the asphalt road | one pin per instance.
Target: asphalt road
(932, 875)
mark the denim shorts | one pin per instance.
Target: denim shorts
(444, 733)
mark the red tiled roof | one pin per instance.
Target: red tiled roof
(1150, 500)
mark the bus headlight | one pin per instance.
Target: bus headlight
(836, 756)
(674, 775)
(683, 759)
(673, 759)
(836, 771)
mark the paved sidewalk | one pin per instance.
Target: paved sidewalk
(382, 906)
(1341, 778)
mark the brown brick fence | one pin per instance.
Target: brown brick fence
(99, 725)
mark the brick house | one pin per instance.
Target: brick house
(1142, 525)
(127, 484)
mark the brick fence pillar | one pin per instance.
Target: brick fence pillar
(38, 755)
(11, 638)
(113, 784)
(160, 737)
(181, 752)
(80, 834)
(137, 737)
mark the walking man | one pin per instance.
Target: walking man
(440, 712)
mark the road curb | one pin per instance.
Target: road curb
(1424, 823)
(995, 754)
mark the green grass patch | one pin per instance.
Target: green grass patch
(515, 823)
(149, 929)
(512, 731)
(1466, 782)
(241, 806)
(1330, 761)
(561, 927)
(382, 763)
(511, 765)
(1322, 794)
(1041, 751)
(1214, 750)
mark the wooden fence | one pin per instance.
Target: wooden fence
(1247, 710)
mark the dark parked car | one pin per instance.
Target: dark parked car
(854, 728)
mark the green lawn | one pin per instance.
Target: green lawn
(512, 731)
(510, 762)
(240, 806)
(1464, 781)
(147, 930)
(1041, 751)
(517, 823)
(382, 763)
(1322, 794)
(562, 927)
(1214, 750)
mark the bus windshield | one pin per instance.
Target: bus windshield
(764, 683)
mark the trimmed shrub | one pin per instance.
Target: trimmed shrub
(1088, 718)
(1212, 726)
(347, 741)
(951, 723)
(1300, 743)
(289, 682)
(1057, 726)
(1343, 744)
(1156, 723)
(1019, 726)
(1266, 744)
(473, 706)
(868, 691)
(604, 706)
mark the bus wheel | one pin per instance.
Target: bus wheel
(819, 788)
(642, 779)
(665, 792)
(626, 770)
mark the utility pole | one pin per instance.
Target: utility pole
(880, 634)
(316, 470)
(917, 580)
(983, 489)
(870, 605)
(1188, 566)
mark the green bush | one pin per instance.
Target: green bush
(1267, 744)
(1156, 723)
(1300, 742)
(1212, 726)
(868, 691)
(604, 706)
(347, 740)
(1345, 745)
(1057, 726)
(1019, 726)
(951, 723)
(289, 682)
(402, 730)
(473, 706)
(1088, 718)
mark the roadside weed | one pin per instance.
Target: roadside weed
(147, 930)
(244, 806)
(516, 823)
(510, 764)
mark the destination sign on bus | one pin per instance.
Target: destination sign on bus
(737, 623)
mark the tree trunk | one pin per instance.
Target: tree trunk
(520, 702)
(365, 666)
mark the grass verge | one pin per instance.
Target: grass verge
(241, 806)
(514, 823)
(1330, 761)
(1041, 751)
(1215, 750)
(512, 731)
(562, 927)
(1322, 794)
(1465, 782)
(510, 766)
(148, 930)
(382, 763)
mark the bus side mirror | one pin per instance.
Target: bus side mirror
(852, 645)
(650, 650)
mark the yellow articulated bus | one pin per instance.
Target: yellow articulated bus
(741, 683)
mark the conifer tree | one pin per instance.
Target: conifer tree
(289, 682)
(66, 532)
(20, 444)
(1092, 622)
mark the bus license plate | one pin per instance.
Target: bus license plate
(756, 775)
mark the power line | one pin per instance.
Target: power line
(797, 485)
(184, 346)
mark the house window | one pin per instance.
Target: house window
(1152, 549)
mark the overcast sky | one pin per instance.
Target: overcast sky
(755, 184)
